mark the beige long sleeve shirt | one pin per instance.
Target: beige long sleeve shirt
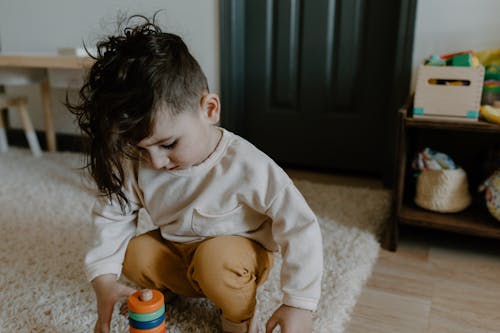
(237, 190)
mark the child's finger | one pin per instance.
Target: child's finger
(124, 309)
(271, 324)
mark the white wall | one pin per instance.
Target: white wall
(442, 26)
(33, 26)
(445, 26)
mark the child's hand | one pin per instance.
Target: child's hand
(290, 320)
(108, 291)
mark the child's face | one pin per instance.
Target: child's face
(183, 140)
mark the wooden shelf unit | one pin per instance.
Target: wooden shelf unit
(468, 144)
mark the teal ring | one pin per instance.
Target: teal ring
(147, 316)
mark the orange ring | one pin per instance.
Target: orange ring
(136, 305)
(158, 329)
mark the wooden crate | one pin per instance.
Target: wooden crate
(448, 101)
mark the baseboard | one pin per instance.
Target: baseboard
(65, 142)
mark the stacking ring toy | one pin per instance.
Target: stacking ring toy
(146, 310)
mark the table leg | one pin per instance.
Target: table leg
(48, 117)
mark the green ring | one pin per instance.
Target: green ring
(147, 316)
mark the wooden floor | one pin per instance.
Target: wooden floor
(436, 282)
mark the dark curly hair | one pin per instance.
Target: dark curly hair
(136, 73)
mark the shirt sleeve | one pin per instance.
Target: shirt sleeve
(296, 230)
(112, 231)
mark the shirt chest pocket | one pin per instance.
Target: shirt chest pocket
(235, 221)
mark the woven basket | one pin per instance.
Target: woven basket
(444, 191)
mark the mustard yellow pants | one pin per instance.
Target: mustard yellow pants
(225, 269)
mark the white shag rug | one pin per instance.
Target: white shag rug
(45, 230)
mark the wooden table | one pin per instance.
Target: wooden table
(46, 62)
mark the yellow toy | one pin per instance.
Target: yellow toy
(490, 113)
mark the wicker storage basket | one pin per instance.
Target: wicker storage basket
(445, 191)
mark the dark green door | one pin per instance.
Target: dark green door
(318, 81)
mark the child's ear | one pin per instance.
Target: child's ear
(210, 104)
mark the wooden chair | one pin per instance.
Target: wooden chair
(21, 105)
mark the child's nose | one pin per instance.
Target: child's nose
(158, 161)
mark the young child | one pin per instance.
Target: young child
(220, 206)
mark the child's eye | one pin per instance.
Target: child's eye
(169, 146)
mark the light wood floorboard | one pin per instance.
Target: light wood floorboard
(444, 283)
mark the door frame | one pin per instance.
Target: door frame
(232, 59)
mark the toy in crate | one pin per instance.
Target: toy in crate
(490, 103)
(449, 89)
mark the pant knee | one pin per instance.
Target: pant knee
(151, 262)
(228, 270)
